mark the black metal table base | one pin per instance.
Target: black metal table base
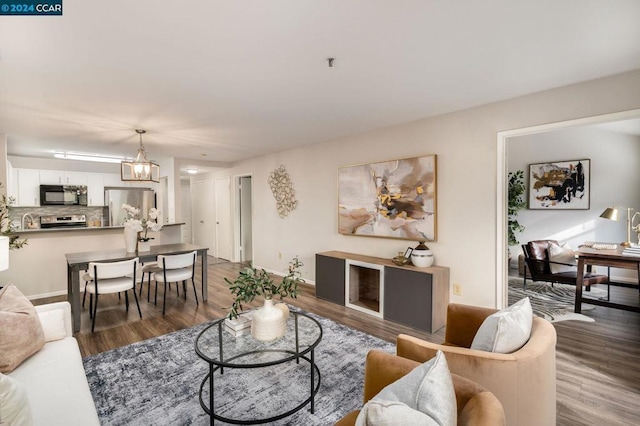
(314, 370)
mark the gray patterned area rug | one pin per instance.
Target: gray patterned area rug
(157, 381)
(552, 303)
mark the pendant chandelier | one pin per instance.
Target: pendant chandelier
(140, 169)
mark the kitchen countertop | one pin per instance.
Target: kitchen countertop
(87, 228)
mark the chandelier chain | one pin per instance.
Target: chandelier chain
(141, 132)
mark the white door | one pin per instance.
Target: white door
(244, 191)
(187, 229)
(224, 233)
(203, 221)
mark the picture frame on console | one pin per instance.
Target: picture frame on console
(389, 199)
(560, 185)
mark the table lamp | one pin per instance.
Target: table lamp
(4, 253)
(612, 213)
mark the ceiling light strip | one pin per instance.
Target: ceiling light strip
(87, 157)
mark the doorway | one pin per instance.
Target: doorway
(203, 204)
(244, 233)
(224, 234)
(185, 196)
(502, 267)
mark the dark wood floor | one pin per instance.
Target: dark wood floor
(597, 363)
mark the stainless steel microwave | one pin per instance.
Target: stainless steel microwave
(63, 195)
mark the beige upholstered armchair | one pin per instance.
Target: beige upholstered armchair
(476, 405)
(524, 381)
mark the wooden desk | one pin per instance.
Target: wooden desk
(608, 258)
(77, 262)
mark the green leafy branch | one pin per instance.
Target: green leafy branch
(7, 228)
(516, 203)
(252, 282)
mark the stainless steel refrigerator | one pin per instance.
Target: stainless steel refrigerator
(141, 198)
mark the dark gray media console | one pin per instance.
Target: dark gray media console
(417, 297)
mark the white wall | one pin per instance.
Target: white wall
(169, 170)
(465, 143)
(615, 179)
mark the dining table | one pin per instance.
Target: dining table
(79, 261)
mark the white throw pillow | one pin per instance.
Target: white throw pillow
(53, 325)
(14, 405)
(393, 413)
(562, 254)
(507, 330)
(428, 389)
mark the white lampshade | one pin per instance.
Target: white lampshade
(4, 253)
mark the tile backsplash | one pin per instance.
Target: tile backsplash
(94, 214)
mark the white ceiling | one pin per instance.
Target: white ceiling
(228, 80)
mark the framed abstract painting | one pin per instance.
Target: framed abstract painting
(560, 185)
(389, 199)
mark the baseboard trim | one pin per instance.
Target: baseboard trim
(45, 295)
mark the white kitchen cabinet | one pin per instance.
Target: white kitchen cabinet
(12, 181)
(95, 189)
(57, 177)
(28, 188)
(51, 177)
(76, 178)
(111, 179)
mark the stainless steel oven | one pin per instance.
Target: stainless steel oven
(63, 195)
(69, 221)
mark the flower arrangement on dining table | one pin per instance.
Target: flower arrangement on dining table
(139, 225)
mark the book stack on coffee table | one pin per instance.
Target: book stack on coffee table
(239, 326)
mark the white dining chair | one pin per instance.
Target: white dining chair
(112, 277)
(148, 269)
(175, 268)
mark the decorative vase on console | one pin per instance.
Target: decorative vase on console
(421, 256)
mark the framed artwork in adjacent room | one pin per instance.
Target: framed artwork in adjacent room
(560, 185)
(390, 199)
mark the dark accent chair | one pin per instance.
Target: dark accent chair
(536, 258)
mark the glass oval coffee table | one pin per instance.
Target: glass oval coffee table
(221, 349)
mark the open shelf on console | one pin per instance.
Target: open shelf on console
(364, 287)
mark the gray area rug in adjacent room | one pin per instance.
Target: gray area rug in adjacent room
(156, 382)
(552, 303)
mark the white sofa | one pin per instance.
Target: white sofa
(55, 381)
